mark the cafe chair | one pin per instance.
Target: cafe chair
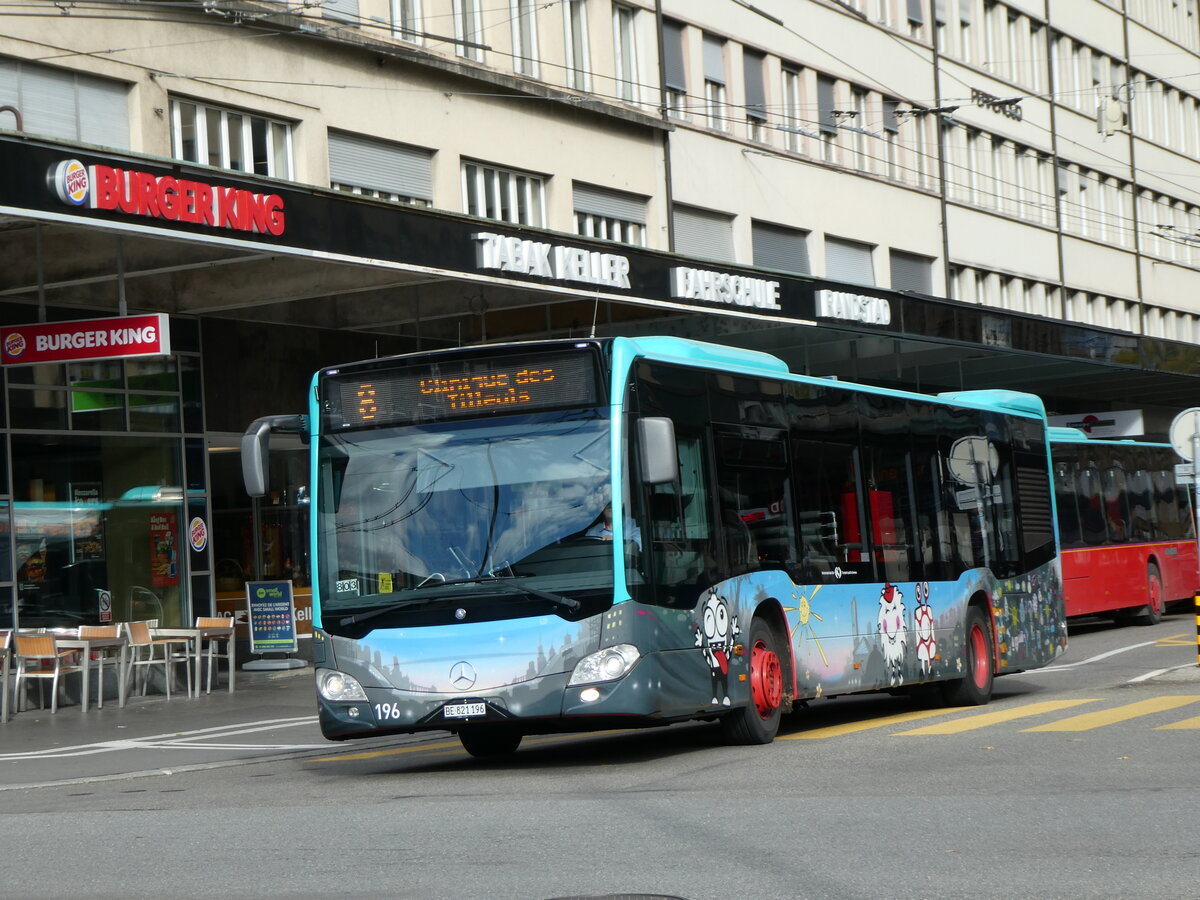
(147, 651)
(38, 656)
(212, 650)
(102, 657)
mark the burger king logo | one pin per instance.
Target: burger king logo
(14, 344)
(70, 179)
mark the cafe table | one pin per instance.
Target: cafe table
(69, 639)
(197, 636)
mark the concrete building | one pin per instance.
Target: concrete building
(925, 194)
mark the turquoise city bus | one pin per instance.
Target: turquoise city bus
(572, 535)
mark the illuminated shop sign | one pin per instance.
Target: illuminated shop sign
(724, 288)
(111, 338)
(166, 197)
(524, 257)
(853, 308)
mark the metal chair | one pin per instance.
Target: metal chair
(38, 656)
(211, 651)
(102, 656)
(144, 648)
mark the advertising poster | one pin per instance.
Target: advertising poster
(272, 617)
(164, 552)
(87, 526)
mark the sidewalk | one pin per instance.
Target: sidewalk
(269, 714)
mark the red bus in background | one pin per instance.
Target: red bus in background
(1126, 527)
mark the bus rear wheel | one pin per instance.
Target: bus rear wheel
(489, 740)
(976, 688)
(758, 721)
(1156, 604)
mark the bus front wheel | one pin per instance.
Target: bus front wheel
(489, 740)
(758, 721)
(976, 688)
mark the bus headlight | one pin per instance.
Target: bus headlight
(335, 685)
(605, 665)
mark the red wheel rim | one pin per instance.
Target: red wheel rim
(1156, 596)
(766, 679)
(979, 656)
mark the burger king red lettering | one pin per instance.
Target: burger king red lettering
(181, 200)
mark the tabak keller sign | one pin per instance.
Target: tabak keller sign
(115, 337)
(133, 192)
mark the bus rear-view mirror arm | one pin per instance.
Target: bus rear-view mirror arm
(659, 458)
(255, 447)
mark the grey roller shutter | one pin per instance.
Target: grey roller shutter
(776, 247)
(377, 165)
(714, 59)
(341, 9)
(756, 97)
(848, 261)
(675, 72)
(704, 234)
(825, 120)
(911, 272)
(103, 112)
(610, 204)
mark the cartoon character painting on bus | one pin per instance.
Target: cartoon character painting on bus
(923, 626)
(893, 632)
(715, 637)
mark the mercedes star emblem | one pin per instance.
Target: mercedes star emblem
(462, 676)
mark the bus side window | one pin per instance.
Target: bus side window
(754, 495)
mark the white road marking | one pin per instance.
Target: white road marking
(1091, 659)
(178, 740)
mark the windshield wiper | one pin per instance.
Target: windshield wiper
(507, 582)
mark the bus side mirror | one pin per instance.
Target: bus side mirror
(659, 458)
(256, 444)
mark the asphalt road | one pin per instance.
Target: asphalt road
(1079, 781)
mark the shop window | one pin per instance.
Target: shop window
(95, 518)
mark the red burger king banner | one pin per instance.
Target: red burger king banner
(111, 338)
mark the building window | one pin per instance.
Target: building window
(468, 29)
(610, 215)
(524, 37)
(793, 110)
(386, 171)
(406, 20)
(625, 49)
(703, 233)
(911, 272)
(341, 9)
(504, 195)
(826, 121)
(68, 105)
(230, 139)
(756, 96)
(714, 83)
(778, 247)
(849, 261)
(576, 38)
(675, 70)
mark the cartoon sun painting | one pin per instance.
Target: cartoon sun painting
(804, 613)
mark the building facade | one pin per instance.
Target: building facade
(925, 194)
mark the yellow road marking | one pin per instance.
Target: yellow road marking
(982, 720)
(1191, 724)
(1088, 721)
(1177, 640)
(868, 724)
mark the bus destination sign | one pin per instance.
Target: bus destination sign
(459, 389)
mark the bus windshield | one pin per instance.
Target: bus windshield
(422, 511)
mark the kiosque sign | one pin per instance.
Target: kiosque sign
(115, 337)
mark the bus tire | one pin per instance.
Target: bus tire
(758, 721)
(976, 688)
(490, 740)
(1156, 604)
